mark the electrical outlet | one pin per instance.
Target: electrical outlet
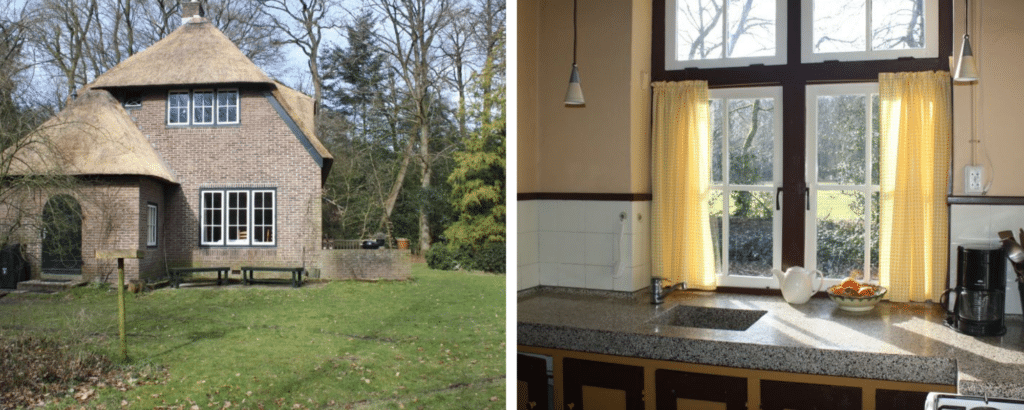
(974, 179)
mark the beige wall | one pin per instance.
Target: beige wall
(600, 147)
(997, 33)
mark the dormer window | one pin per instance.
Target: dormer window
(202, 107)
(132, 100)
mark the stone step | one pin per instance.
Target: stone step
(48, 286)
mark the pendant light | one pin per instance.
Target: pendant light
(966, 70)
(574, 95)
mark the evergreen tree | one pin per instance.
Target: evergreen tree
(478, 180)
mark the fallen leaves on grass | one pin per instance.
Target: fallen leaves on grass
(39, 369)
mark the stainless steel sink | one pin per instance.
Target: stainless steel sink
(708, 318)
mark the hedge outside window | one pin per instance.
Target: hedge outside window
(238, 217)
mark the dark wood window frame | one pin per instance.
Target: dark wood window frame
(794, 77)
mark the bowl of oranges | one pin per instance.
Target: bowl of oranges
(854, 296)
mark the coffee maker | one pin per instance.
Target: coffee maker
(980, 293)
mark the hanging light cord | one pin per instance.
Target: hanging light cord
(574, 30)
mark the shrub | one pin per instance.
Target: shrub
(442, 256)
(490, 258)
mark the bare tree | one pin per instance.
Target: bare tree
(302, 23)
(62, 35)
(250, 30)
(412, 41)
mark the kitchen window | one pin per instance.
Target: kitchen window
(869, 30)
(821, 198)
(843, 167)
(746, 148)
(726, 33)
(202, 107)
(238, 217)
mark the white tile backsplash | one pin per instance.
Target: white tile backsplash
(980, 224)
(577, 244)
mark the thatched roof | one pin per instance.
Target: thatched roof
(195, 53)
(92, 135)
(300, 107)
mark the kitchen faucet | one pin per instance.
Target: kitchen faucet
(659, 293)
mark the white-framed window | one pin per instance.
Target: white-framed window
(724, 33)
(238, 217)
(746, 172)
(202, 107)
(841, 235)
(227, 106)
(212, 218)
(263, 207)
(868, 30)
(178, 108)
(151, 224)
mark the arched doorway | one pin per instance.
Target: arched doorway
(62, 237)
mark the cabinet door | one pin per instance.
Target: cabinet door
(679, 390)
(897, 400)
(777, 395)
(596, 385)
(533, 383)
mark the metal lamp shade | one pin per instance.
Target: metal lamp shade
(966, 70)
(574, 95)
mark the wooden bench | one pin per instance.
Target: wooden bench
(247, 273)
(178, 273)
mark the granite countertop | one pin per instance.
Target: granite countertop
(894, 341)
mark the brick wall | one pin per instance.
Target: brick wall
(260, 152)
(365, 264)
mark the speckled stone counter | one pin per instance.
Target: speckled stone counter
(895, 341)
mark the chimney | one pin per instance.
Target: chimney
(190, 9)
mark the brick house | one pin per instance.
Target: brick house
(188, 151)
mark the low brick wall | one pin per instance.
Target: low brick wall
(365, 264)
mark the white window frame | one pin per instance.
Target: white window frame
(272, 225)
(248, 224)
(671, 63)
(724, 278)
(152, 218)
(243, 226)
(234, 106)
(931, 38)
(196, 107)
(811, 167)
(205, 222)
(188, 107)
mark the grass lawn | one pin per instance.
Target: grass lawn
(436, 341)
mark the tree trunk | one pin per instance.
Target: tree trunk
(424, 185)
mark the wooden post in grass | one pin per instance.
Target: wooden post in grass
(120, 255)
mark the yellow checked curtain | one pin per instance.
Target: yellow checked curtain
(915, 128)
(682, 250)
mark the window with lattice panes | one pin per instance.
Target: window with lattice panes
(746, 130)
(843, 167)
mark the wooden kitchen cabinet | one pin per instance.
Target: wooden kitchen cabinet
(596, 381)
(532, 376)
(592, 385)
(676, 390)
(781, 395)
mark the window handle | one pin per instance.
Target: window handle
(807, 197)
(777, 204)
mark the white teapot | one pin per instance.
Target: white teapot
(796, 284)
